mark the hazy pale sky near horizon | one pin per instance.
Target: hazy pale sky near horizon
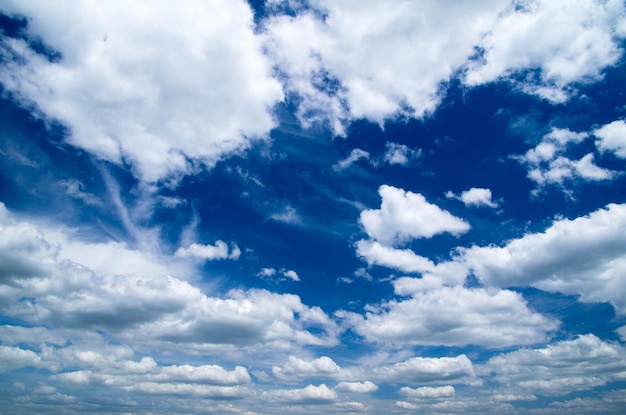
(313, 206)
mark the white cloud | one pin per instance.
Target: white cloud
(389, 60)
(406, 215)
(286, 274)
(453, 316)
(291, 274)
(427, 392)
(427, 370)
(475, 197)
(209, 252)
(355, 155)
(548, 163)
(129, 76)
(404, 260)
(295, 368)
(400, 154)
(570, 44)
(189, 390)
(288, 215)
(310, 394)
(583, 256)
(15, 358)
(560, 368)
(209, 374)
(266, 272)
(612, 137)
(357, 387)
(155, 308)
(74, 188)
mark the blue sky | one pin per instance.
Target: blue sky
(339, 207)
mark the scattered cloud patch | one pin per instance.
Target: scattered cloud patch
(548, 163)
(74, 188)
(400, 154)
(285, 274)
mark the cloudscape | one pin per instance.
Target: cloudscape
(313, 207)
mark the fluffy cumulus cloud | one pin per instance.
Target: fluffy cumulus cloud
(549, 164)
(115, 91)
(583, 256)
(352, 45)
(404, 215)
(40, 287)
(357, 387)
(474, 197)
(426, 370)
(561, 368)
(390, 59)
(295, 368)
(453, 316)
(567, 44)
(612, 138)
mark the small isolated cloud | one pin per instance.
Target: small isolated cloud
(209, 252)
(427, 392)
(355, 155)
(287, 215)
(291, 274)
(612, 138)
(405, 215)
(400, 154)
(357, 387)
(548, 163)
(74, 188)
(474, 197)
(283, 274)
(266, 272)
